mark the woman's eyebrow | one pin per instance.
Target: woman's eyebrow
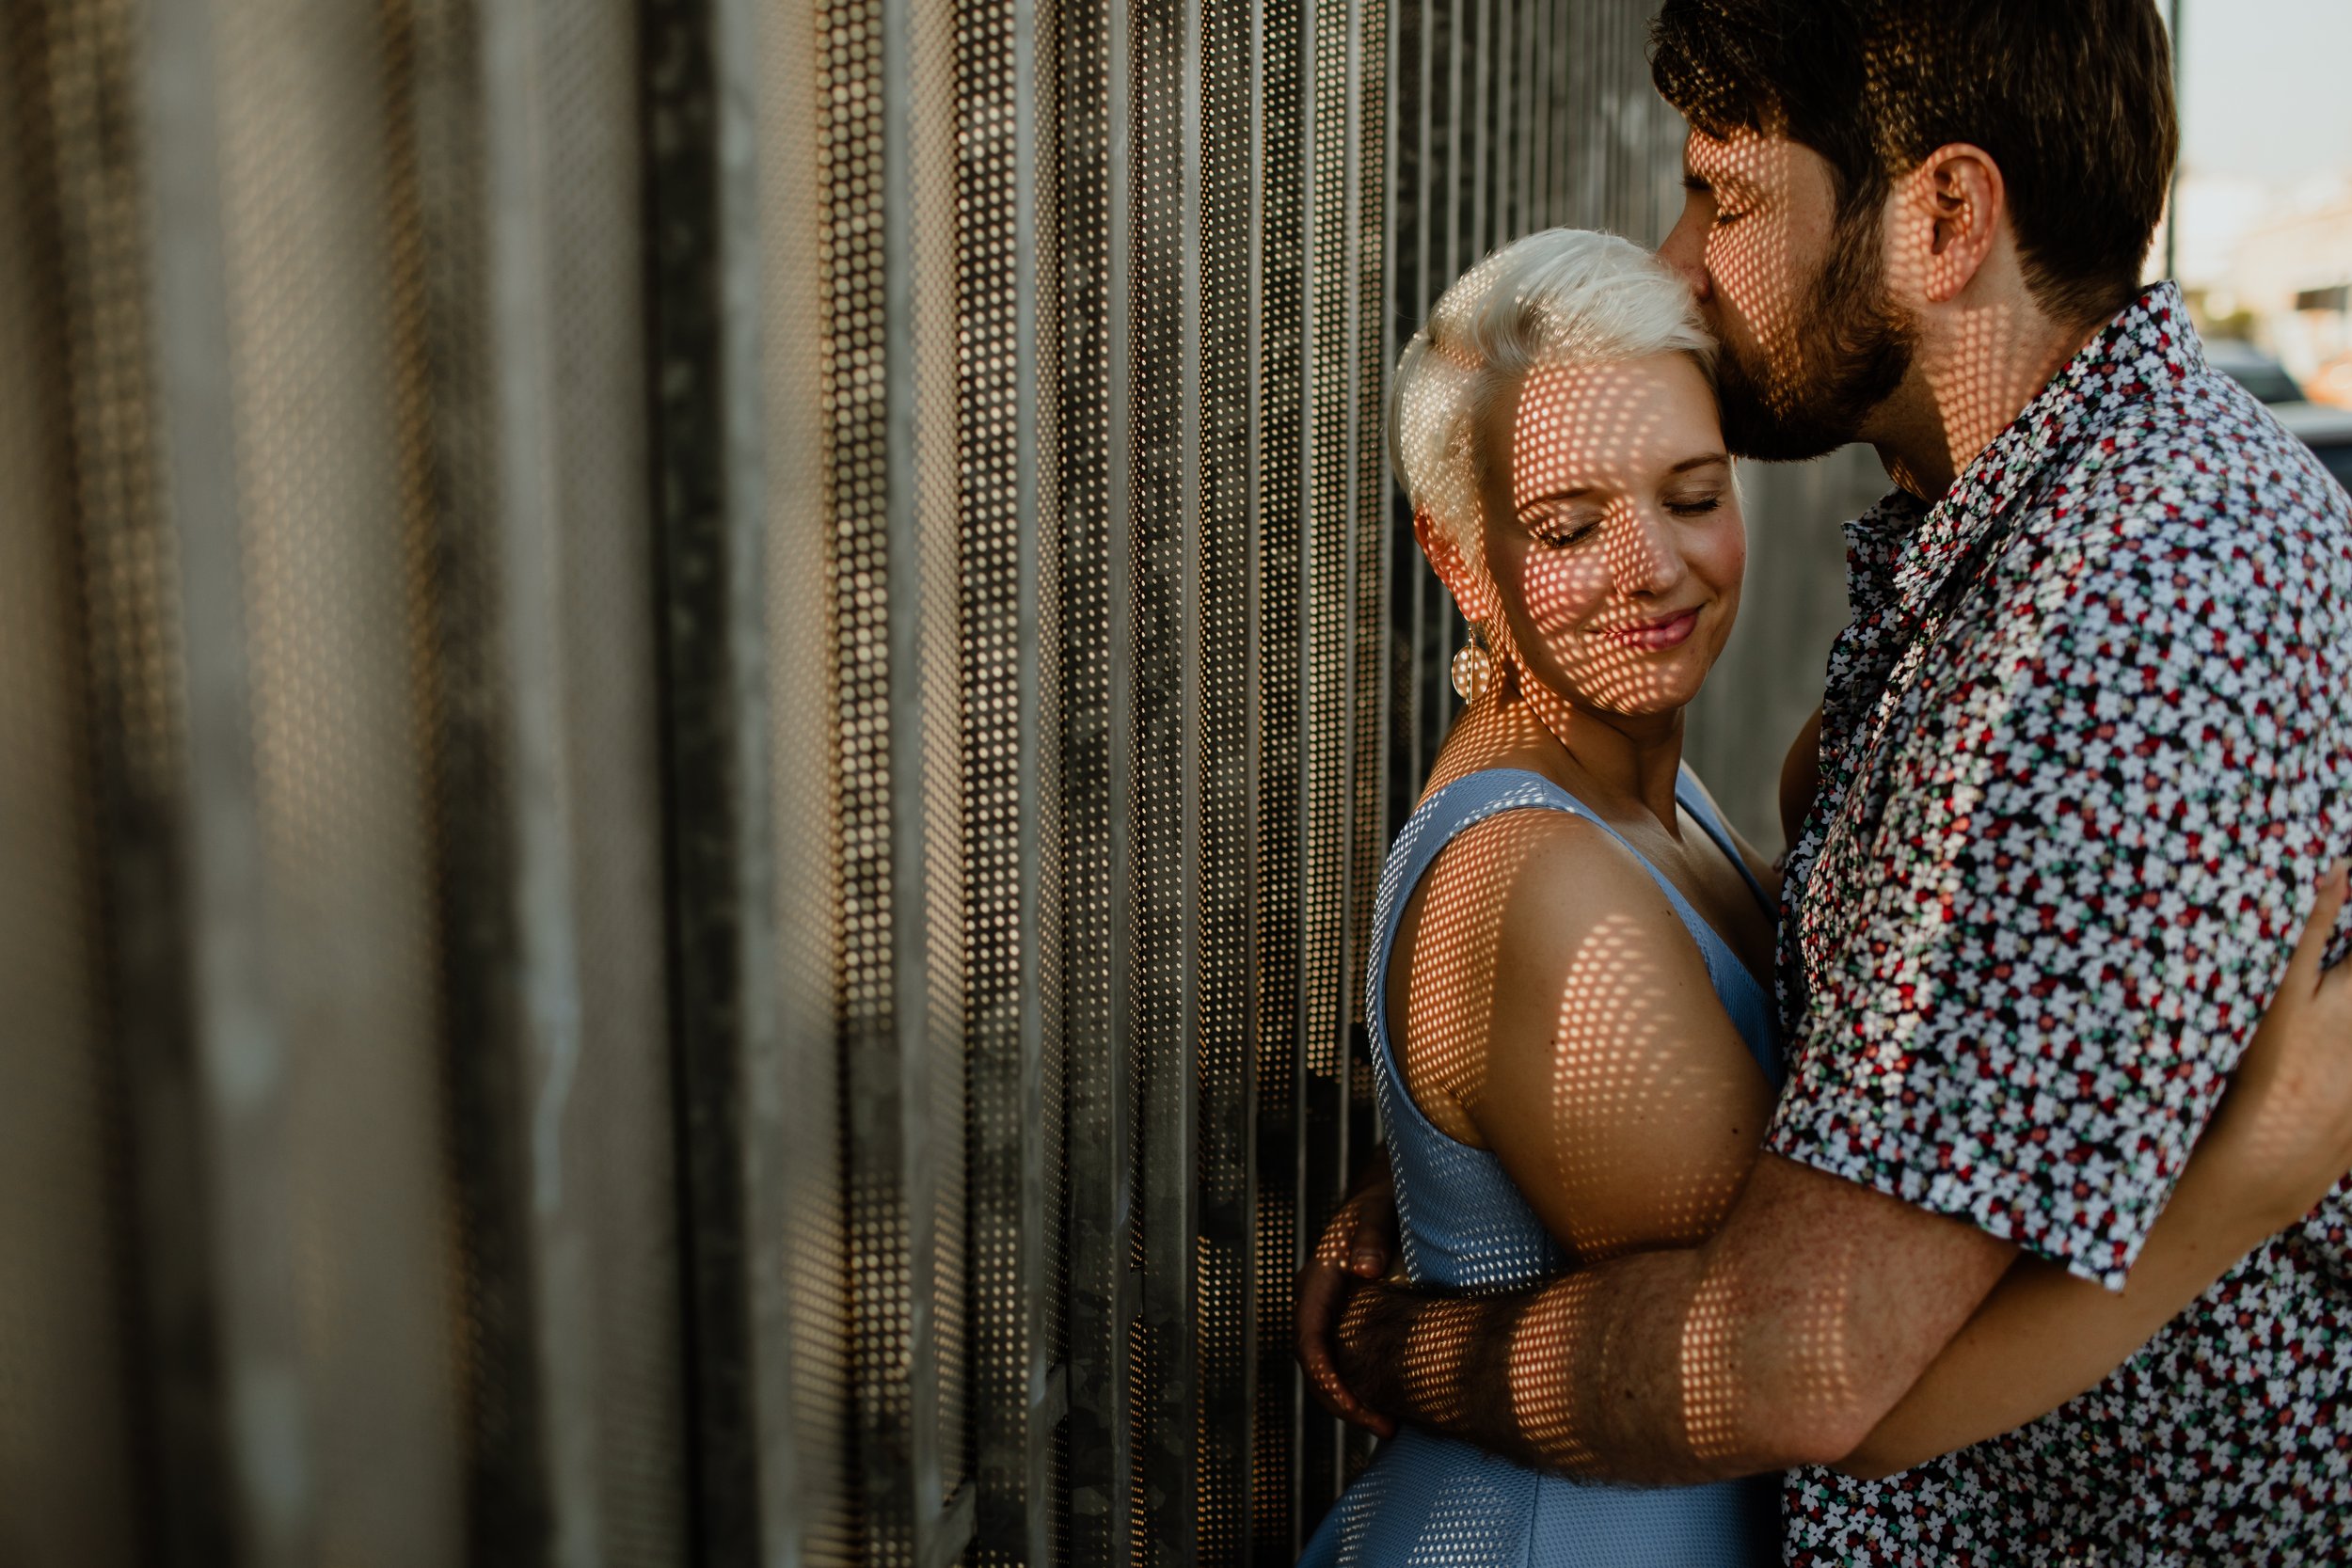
(1565, 493)
(1577, 492)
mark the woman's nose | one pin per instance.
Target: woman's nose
(1646, 559)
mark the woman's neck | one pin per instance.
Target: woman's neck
(1609, 761)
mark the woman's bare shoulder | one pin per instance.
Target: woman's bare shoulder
(1566, 1018)
(1519, 897)
(1537, 878)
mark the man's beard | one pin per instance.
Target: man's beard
(1851, 350)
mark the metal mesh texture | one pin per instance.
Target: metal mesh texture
(66, 1433)
(693, 743)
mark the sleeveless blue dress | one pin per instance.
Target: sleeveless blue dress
(1426, 1499)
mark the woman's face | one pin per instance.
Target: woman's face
(1612, 536)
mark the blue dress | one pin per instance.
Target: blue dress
(1426, 1499)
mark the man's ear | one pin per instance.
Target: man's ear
(1950, 212)
(1461, 579)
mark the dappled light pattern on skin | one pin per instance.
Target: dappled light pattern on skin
(1709, 1411)
(1616, 1086)
(1447, 979)
(1812, 340)
(1818, 348)
(1606, 573)
(2177, 604)
(1556, 882)
(1433, 1367)
(2084, 749)
(1615, 546)
(1540, 1404)
(1612, 1086)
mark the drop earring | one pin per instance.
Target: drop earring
(1473, 666)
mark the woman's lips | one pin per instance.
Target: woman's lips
(1669, 633)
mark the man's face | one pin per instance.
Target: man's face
(1812, 340)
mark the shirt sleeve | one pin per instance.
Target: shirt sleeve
(2104, 816)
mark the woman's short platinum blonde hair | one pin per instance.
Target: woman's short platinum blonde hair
(1559, 298)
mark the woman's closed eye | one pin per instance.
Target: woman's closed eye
(1694, 506)
(1559, 532)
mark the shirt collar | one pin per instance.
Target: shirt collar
(1905, 550)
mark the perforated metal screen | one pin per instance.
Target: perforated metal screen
(697, 703)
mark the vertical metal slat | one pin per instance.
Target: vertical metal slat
(238, 1111)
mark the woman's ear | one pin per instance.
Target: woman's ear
(1464, 581)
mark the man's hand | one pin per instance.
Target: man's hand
(2283, 1132)
(1361, 1242)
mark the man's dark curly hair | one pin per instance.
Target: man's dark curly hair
(2072, 97)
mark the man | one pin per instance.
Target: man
(2085, 741)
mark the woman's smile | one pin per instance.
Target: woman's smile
(1660, 632)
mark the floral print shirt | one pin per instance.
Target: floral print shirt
(2087, 747)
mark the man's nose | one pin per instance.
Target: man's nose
(1685, 250)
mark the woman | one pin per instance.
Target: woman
(1570, 1000)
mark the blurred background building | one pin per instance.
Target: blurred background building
(697, 703)
(2263, 207)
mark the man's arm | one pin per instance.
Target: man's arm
(1488, 1368)
(2282, 1139)
(1800, 780)
(1783, 1341)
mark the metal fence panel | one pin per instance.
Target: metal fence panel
(698, 732)
(68, 1438)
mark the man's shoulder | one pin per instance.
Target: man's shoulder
(2190, 495)
(2203, 450)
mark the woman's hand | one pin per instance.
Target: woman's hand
(2282, 1136)
(1361, 1242)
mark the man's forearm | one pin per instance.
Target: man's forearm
(1783, 1341)
(1441, 1361)
(1565, 1378)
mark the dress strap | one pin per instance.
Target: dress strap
(1693, 800)
(1472, 798)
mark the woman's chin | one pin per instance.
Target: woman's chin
(1655, 707)
(1652, 689)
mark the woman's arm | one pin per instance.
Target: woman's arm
(2044, 1337)
(1557, 1013)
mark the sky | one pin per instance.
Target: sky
(2266, 87)
(2266, 126)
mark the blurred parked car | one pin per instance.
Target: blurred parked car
(2326, 431)
(2332, 383)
